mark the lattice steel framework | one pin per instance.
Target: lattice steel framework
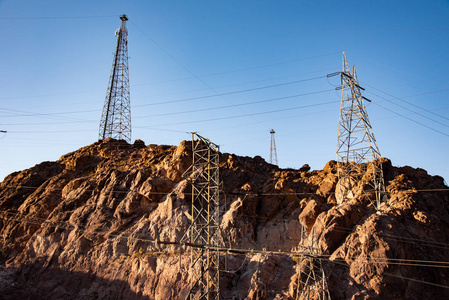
(116, 117)
(273, 154)
(204, 264)
(357, 150)
(312, 282)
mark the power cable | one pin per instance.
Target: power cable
(410, 119)
(417, 106)
(238, 193)
(33, 114)
(401, 277)
(235, 105)
(337, 228)
(57, 17)
(52, 131)
(66, 225)
(52, 115)
(244, 115)
(414, 112)
(47, 115)
(414, 74)
(48, 123)
(232, 92)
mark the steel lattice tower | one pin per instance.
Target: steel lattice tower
(204, 263)
(312, 281)
(273, 155)
(116, 117)
(357, 150)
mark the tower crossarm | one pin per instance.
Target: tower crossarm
(356, 143)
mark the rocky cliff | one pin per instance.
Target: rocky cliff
(103, 222)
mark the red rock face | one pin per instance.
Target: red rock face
(103, 222)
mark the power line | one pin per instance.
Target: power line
(398, 276)
(47, 123)
(232, 92)
(52, 115)
(417, 106)
(246, 252)
(397, 261)
(245, 115)
(410, 119)
(414, 112)
(241, 193)
(28, 113)
(56, 17)
(48, 115)
(235, 105)
(240, 70)
(32, 114)
(198, 110)
(52, 131)
(428, 243)
(414, 74)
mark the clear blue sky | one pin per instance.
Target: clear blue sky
(56, 58)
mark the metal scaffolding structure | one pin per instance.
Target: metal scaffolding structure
(116, 116)
(273, 155)
(357, 150)
(312, 282)
(204, 260)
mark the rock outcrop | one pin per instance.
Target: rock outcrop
(103, 222)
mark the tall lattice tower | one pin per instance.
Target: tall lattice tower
(357, 151)
(116, 117)
(273, 155)
(203, 232)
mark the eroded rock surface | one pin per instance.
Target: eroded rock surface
(103, 223)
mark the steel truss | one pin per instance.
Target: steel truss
(312, 282)
(273, 154)
(204, 261)
(357, 150)
(116, 116)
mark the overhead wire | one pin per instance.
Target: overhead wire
(412, 104)
(55, 224)
(232, 92)
(57, 17)
(34, 114)
(414, 74)
(230, 250)
(243, 115)
(402, 115)
(414, 112)
(178, 62)
(398, 276)
(16, 216)
(277, 219)
(242, 193)
(410, 119)
(53, 115)
(236, 105)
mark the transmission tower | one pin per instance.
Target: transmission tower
(273, 155)
(312, 282)
(357, 150)
(116, 117)
(203, 232)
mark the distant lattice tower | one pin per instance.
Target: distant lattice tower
(116, 117)
(273, 155)
(357, 151)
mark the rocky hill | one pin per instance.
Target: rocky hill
(95, 225)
